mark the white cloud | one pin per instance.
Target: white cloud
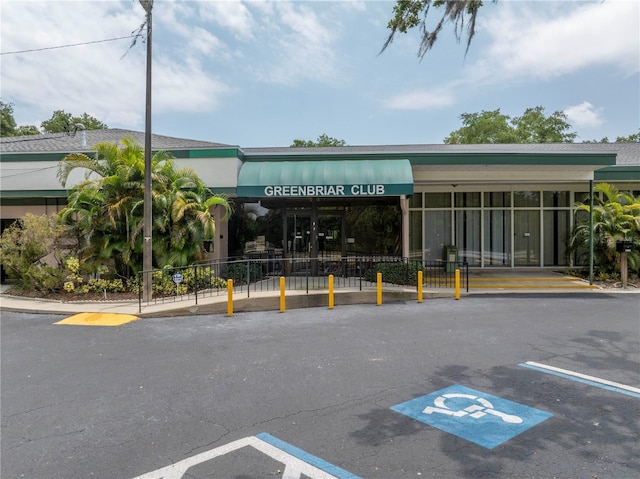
(584, 115)
(548, 39)
(419, 100)
(185, 87)
(301, 45)
(231, 15)
(105, 80)
(91, 78)
(533, 41)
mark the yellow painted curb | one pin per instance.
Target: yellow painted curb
(531, 286)
(515, 279)
(98, 319)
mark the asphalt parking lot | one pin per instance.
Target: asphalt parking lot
(514, 386)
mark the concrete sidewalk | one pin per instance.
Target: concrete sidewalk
(257, 301)
(480, 282)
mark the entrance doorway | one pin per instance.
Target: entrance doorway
(526, 238)
(315, 235)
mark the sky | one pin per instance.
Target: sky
(264, 73)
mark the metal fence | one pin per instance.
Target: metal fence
(256, 274)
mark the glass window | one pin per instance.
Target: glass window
(581, 196)
(468, 236)
(437, 200)
(497, 238)
(555, 199)
(437, 234)
(415, 201)
(415, 235)
(556, 237)
(468, 200)
(497, 199)
(526, 198)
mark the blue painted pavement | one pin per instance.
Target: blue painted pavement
(476, 416)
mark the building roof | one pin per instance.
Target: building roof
(627, 153)
(83, 140)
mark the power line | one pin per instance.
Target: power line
(24, 172)
(66, 46)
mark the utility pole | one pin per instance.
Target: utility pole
(147, 251)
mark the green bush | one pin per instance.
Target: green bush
(163, 284)
(395, 272)
(30, 252)
(205, 279)
(238, 272)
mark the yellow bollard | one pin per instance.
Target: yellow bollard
(379, 292)
(457, 284)
(282, 299)
(229, 297)
(419, 286)
(330, 291)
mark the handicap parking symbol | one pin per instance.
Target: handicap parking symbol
(473, 415)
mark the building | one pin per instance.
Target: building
(499, 205)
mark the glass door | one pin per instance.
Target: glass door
(526, 238)
(437, 234)
(297, 243)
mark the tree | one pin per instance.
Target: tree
(32, 251)
(7, 121)
(485, 127)
(323, 140)
(494, 127)
(408, 14)
(61, 122)
(632, 138)
(23, 130)
(616, 216)
(107, 208)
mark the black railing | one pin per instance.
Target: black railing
(251, 275)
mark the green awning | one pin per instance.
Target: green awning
(329, 178)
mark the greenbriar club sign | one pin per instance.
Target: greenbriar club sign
(329, 179)
(324, 190)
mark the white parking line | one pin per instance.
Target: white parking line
(575, 376)
(294, 467)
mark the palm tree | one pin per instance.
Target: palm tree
(181, 213)
(107, 208)
(616, 216)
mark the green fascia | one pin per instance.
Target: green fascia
(33, 193)
(618, 173)
(470, 158)
(15, 157)
(207, 153)
(535, 159)
(58, 156)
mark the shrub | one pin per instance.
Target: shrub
(238, 272)
(30, 252)
(395, 272)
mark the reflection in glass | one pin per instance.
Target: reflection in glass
(468, 236)
(497, 238)
(437, 234)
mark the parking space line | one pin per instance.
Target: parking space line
(583, 378)
(297, 463)
(304, 456)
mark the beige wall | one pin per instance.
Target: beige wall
(13, 212)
